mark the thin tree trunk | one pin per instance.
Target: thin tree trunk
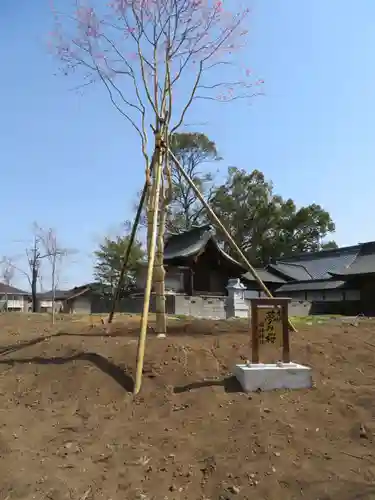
(159, 272)
(53, 288)
(34, 281)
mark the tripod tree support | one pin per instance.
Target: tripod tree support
(155, 204)
(127, 254)
(214, 217)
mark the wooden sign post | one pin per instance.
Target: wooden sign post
(270, 325)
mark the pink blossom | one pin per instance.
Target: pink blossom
(218, 6)
(87, 18)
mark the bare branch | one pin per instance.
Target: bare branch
(224, 98)
(147, 46)
(55, 255)
(7, 270)
(21, 271)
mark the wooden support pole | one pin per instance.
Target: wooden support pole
(127, 254)
(215, 219)
(150, 266)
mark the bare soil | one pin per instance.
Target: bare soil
(70, 427)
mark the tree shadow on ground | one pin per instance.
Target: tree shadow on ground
(230, 385)
(8, 349)
(115, 372)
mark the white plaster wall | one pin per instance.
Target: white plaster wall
(14, 302)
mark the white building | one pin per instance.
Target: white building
(13, 299)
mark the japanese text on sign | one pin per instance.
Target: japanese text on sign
(270, 328)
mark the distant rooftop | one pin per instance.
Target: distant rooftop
(193, 241)
(4, 289)
(344, 261)
(59, 294)
(187, 243)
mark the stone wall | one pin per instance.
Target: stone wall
(202, 306)
(131, 305)
(239, 302)
(235, 305)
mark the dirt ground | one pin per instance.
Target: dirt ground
(71, 429)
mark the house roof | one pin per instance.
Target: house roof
(11, 290)
(292, 271)
(311, 285)
(188, 243)
(363, 263)
(318, 265)
(264, 275)
(192, 242)
(77, 291)
(92, 288)
(59, 295)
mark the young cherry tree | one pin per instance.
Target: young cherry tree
(155, 58)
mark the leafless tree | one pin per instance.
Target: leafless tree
(7, 270)
(55, 255)
(32, 272)
(44, 247)
(145, 52)
(7, 274)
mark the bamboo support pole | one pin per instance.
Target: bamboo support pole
(215, 218)
(150, 267)
(127, 253)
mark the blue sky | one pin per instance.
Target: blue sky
(72, 163)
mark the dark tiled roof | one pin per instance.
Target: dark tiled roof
(346, 261)
(92, 288)
(264, 275)
(11, 290)
(59, 294)
(364, 262)
(292, 271)
(318, 265)
(188, 243)
(192, 242)
(310, 286)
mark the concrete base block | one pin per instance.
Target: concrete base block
(268, 377)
